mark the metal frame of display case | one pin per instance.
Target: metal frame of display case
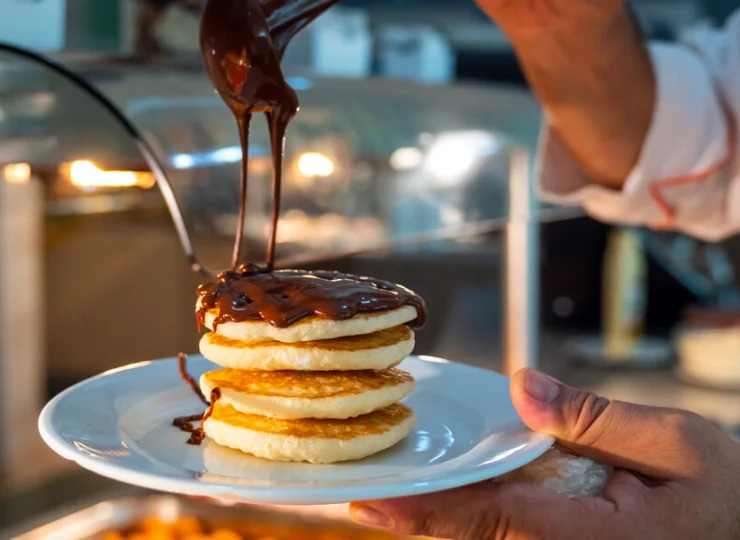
(521, 276)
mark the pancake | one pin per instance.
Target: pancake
(312, 440)
(312, 328)
(304, 394)
(379, 350)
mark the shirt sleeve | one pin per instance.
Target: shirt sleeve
(685, 177)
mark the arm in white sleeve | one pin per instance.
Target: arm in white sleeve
(686, 177)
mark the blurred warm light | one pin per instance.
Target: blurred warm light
(86, 174)
(315, 164)
(453, 156)
(146, 180)
(405, 159)
(17, 173)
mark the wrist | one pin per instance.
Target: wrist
(597, 87)
(580, 65)
(587, 38)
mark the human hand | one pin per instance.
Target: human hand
(677, 477)
(520, 18)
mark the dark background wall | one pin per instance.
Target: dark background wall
(719, 10)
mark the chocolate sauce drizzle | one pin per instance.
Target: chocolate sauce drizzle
(284, 297)
(181, 359)
(198, 436)
(185, 423)
(242, 42)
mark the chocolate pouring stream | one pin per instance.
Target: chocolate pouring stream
(242, 42)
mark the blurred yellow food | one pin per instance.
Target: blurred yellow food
(190, 528)
(160, 535)
(153, 525)
(224, 534)
(143, 536)
(187, 525)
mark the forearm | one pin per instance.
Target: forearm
(597, 87)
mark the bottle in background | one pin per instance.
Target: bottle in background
(624, 294)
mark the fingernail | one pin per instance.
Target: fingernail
(541, 387)
(366, 515)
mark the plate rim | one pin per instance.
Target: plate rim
(233, 493)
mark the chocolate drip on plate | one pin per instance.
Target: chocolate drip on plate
(185, 423)
(181, 360)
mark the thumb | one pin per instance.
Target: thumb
(658, 442)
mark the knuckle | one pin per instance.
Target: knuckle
(587, 408)
(685, 425)
(693, 438)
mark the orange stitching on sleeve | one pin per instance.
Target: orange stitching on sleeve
(656, 187)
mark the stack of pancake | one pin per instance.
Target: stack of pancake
(319, 390)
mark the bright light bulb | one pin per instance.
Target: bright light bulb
(315, 164)
(17, 173)
(86, 174)
(454, 155)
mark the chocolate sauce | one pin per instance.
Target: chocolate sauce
(185, 423)
(181, 359)
(284, 297)
(242, 42)
(215, 396)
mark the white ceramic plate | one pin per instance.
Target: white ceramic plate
(118, 424)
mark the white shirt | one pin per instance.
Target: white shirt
(688, 176)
